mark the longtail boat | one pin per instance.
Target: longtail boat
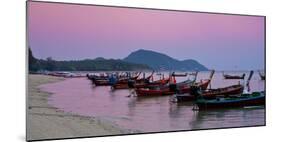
(123, 84)
(157, 91)
(183, 87)
(100, 80)
(65, 74)
(178, 74)
(125, 77)
(240, 100)
(106, 79)
(152, 84)
(253, 99)
(227, 76)
(93, 76)
(213, 93)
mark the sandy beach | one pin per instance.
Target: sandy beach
(47, 122)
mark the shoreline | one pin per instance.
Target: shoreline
(47, 122)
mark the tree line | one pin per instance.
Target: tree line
(98, 64)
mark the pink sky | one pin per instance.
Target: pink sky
(67, 32)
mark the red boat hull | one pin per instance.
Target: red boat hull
(101, 82)
(120, 86)
(152, 84)
(212, 94)
(234, 77)
(166, 90)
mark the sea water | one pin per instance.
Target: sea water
(153, 114)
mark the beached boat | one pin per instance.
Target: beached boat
(229, 101)
(127, 77)
(211, 93)
(179, 74)
(227, 76)
(183, 87)
(152, 84)
(104, 79)
(65, 74)
(123, 84)
(96, 77)
(253, 99)
(99, 80)
(160, 90)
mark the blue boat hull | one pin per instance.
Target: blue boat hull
(231, 103)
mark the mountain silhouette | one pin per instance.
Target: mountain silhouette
(159, 61)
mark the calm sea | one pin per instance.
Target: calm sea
(79, 96)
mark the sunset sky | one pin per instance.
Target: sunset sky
(71, 32)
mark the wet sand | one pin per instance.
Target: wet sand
(47, 122)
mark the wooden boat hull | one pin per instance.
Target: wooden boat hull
(123, 84)
(151, 84)
(120, 86)
(140, 83)
(163, 91)
(105, 80)
(212, 94)
(101, 82)
(234, 77)
(231, 102)
(155, 92)
(94, 77)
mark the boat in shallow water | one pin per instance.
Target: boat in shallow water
(227, 76)
(104, 79)
(244, 100)
(182, 87)
(211, 93)
(99, 80)
(124, 83)
(165, 90)
(152, 84)
(232, 90)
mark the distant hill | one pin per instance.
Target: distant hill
(98, 64)
(159, 61)
(138, 60)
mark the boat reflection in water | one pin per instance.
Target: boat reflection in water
(150, 114)
(223, 118)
